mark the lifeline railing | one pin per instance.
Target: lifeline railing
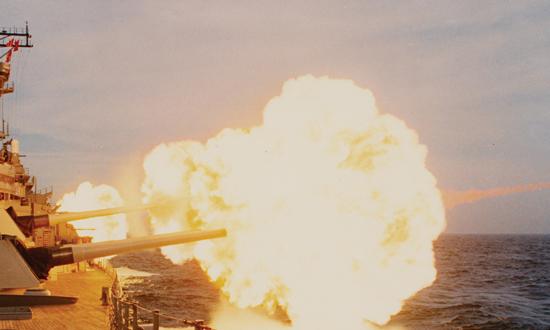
(124, 314)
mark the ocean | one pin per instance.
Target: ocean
(483, 282)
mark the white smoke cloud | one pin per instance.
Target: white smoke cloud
(329, 205)
(88, 197)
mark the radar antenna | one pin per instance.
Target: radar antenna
(16, 34)
(11, 38)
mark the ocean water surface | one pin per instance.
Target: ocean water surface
(483, 282)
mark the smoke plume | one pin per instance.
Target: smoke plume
(455, 198)
(330, 209)
(88, 197)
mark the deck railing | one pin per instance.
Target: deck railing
(125, 314)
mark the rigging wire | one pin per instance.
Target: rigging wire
(2, 111)
(18, 78)
(6, 53)
(17, 97)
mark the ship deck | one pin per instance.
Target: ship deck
(87, 313)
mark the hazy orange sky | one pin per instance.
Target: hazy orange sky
(107, 81)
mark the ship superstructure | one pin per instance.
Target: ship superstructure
(18, 189)
(34, 238)
(25, 211)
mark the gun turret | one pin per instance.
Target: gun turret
(27, 265)
(27, 223)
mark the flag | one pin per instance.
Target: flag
(8, 56)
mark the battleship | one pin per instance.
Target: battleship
(35, 238)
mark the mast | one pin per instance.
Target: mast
(11, 38)
(15, 32)
(15, 184)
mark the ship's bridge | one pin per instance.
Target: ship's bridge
(9, 187)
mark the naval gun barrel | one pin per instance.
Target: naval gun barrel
(80, 252)
(57, 218)
(42, 259)
(27, 223)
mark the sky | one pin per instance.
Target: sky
(107, 81)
